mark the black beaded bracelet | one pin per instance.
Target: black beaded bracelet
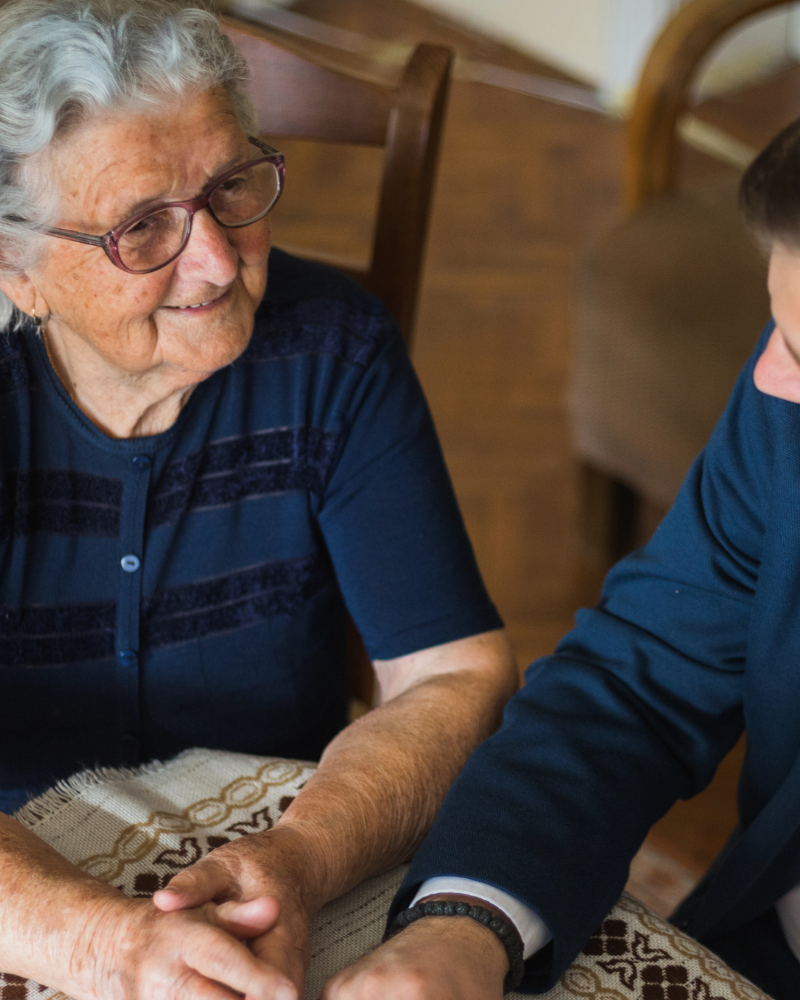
(506, 931)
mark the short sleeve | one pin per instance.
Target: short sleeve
(391, 521)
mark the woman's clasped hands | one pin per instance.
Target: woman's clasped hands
(239, 908)
(230, 925)
(137, 951)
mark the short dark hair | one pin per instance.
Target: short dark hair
(769, 193)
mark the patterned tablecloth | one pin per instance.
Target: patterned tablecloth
(136, 830)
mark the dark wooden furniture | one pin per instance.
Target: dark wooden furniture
(670, 303)
(663, 92)
(307, 91)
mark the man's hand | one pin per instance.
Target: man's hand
(436, 958)
(256, 866)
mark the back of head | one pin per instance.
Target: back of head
(63, 61)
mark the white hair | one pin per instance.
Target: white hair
(62, 61)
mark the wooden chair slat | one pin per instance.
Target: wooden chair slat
(335, 107)
(411, 156)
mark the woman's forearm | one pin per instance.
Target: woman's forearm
(49, 912)
(62, 928)
(382, 780)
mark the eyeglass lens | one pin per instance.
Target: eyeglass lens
(237, 201)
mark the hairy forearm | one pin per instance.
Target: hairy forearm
(47, 910)
(382, 780)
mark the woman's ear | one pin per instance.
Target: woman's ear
(24, 294)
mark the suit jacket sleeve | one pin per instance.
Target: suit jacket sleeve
(634, 710)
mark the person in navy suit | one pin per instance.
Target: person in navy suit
(696, 639)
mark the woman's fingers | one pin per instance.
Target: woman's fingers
(211, 891)
(202, 883)
(282, 949)
(248, 920)
(218, 957)
(193, 986)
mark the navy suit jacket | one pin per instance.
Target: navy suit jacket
(696, 637)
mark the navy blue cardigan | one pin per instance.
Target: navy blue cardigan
(696, 637)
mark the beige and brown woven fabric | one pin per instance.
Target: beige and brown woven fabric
(137, 829)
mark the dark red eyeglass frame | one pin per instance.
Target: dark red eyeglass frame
(110, 241)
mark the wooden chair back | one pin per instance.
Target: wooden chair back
(663, 94)
(301, 92)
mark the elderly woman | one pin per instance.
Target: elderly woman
(201, 469)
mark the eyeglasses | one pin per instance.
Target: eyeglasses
(155, 236)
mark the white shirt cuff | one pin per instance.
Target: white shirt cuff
(532, 929)
(788, 908)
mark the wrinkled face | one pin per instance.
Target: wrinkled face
(105, 172)
(777, 372)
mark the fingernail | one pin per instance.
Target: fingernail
(285, 993)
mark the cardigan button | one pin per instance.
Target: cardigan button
(141, 462)
(127, 657)
(130, 563)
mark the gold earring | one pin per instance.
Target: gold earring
(40, 321)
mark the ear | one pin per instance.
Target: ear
(24, 294)
(777, 371)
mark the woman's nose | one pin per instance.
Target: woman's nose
(209, 253)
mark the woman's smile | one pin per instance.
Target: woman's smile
(151, 335)
(204, 307)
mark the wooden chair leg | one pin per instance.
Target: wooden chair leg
(608, 516)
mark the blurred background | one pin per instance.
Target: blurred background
(588, 292)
